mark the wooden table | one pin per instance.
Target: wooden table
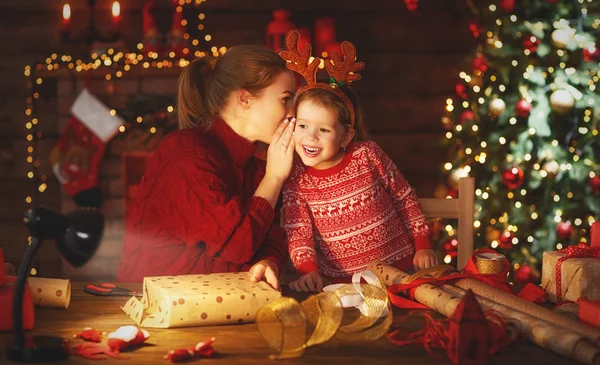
(239, 344)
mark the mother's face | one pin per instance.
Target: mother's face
(272, 106)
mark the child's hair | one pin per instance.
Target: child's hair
(207, 82)
(336, 105)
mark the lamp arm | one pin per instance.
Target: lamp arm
(19, 336)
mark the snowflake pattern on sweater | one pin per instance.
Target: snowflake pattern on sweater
(340, 219)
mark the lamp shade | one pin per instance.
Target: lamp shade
(76, 234)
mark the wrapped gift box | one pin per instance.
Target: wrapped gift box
(199, 300)
(580, 277)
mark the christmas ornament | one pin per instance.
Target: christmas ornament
(479, 63)
(201, 350)
(561, 101)
(175, 38)
(151, 37)
(76, 157)
(551, 167)
(507, 6)
(513, 177)
(461, 90)
(531, 43)
(475, 28)
(564, 231)
(467, 116)
(594, 183)
(277, 29)
(450, 247)
(591, 54)
(523, 108)
(562, 37)
(524, 274)
(505, 241)
(496, 107)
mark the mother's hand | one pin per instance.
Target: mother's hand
(280, 155)
(265, 269)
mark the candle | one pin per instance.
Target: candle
(116, 16)
(66, 17)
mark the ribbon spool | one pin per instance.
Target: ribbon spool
(489, 263)
(286, 324)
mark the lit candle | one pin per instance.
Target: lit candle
(66, 17)
(116, 16)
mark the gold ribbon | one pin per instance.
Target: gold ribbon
(285, 324)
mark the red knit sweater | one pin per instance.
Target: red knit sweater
(340, 219)
(195, 211)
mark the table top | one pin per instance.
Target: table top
(241, 343)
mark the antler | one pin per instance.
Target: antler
(343, 70)
(299, 61)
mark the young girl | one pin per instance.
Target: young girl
(206, 202)
(346, 204)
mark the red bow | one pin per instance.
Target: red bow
(572, 252)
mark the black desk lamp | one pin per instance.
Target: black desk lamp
(77, 236)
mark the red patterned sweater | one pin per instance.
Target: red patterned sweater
(195, 211)
(340, 219)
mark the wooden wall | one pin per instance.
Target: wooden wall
(412, 64)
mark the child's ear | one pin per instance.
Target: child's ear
(348, 137)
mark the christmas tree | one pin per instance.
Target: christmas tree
(524, 124)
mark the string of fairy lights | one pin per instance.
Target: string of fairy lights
(480, 153)
(116, 65)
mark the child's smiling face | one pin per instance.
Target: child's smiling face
(319, 136)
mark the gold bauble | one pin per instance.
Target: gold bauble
(561, 101)
(496, 107)
(562, 37)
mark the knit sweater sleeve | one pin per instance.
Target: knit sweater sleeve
(198, 208)
(298, 227)
(404, 197)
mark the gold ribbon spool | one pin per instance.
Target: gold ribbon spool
(285, 323)
(488, 263)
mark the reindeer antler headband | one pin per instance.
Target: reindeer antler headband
(341, 71)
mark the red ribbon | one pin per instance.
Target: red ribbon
(572, 252)
(531, 293)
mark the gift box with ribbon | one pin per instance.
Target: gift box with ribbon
(7, 290)
(574, 272)
(199, 300)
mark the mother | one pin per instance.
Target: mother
(207, 202)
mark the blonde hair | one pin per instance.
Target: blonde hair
(336, 105)
(207, 82)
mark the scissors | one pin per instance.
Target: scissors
(109, 289)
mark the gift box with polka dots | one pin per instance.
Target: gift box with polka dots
(199, 300)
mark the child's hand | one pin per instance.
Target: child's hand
(311, 282)
(265, 269)
(424, 259)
